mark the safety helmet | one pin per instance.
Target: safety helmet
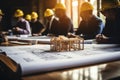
(48, 13)
(28, 17)
(18, 13)
(1, 13)
(109, 4)
(34, 15)
(86, 6)
(60, 6)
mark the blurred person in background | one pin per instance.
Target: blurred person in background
(36, 26)
(28, 18)
(90, 25)
(2, 33)
(65, 24)
(111, 32)
(1, 16)
(22, 26)
(52, 22)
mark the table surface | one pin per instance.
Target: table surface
(102, 71)
(97, 72)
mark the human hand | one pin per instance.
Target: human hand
(17, 29)
(100, 38)
(35, 34)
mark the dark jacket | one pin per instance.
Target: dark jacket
(1, 27)
(112, 28)
(65, 26)
(1, 38)
(25, 27)
(51, 29)
(91, 28)
(36, 27)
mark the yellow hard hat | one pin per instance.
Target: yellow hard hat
(1, 13)
(48, 13)
(60, 6)
(108, 4)
(86, 6)
(34, 15)
(19, 13)
(28, 17)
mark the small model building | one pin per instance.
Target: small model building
(63, 43)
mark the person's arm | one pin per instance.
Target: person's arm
(27, 30)
(22, 28)
(101, 26)
(42, 29)
(101, 39)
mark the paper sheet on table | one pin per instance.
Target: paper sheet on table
(39, 58)
(40, 39)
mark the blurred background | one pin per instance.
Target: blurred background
(73, 9)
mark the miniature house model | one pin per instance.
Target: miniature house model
(63, 43)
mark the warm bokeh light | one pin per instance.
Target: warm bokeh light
(75, 13)
(73, 9)
(75, 3)
(62, 1)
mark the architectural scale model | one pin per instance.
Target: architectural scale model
(63, 43)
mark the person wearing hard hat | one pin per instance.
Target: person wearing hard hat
(111, 10)
(51, 22)
(90, 25)
(36, 26)
(2, 33)
(65, 25)
(22, 26)
(1, 22)
(28, 17)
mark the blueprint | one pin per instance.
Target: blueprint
(39, 58)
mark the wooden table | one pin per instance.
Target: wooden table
(94, 72)
(91, 72)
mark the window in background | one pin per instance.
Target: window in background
(94, 3)
(75, 14)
